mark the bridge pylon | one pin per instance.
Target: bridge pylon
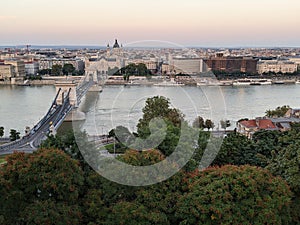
(66, 86)
(94, 76)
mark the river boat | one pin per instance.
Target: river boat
(169, 83)
(278, 82)
(260, 81)
(241, 82)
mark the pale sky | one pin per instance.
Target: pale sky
(186, 22)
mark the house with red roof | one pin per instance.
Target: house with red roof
(249, 127)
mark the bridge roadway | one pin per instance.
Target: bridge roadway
(55, 116)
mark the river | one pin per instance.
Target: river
(119, 105)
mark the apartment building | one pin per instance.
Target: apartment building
(276, 66)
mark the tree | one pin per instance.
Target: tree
(44, 71)
(286, 163)
(37, 180)
(144, 158)
(14, 135)
(237, 149)
(135, 69)
(278, 112)
(158, 107)
(50, 212)
(234, 195)
(209, 124)
(128, 213)
(198, 122)
(68, 69)
(225, 124)
(56, 70)
(72, 144)
(1, 131)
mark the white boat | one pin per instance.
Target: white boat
(260, 81)
(241, 82)
(202, 83)
(278, 82)
(169, 83)
(297, 82)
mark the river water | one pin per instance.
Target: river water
(119, 105)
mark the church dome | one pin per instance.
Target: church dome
(116, 45)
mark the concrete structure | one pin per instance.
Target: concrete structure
(230, 64)
(65, 87)
(276, 66)
(31, 68)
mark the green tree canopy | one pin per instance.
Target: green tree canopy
(235, 195)
(1, 131)
(278, 112)
(68, 69)
(30, 180)
(199, 123)
(209, 124)
(158, 107)
(225, 124)
(14, 135)
(56, 70)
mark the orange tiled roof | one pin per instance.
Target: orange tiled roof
(248, 123)
(265, 124)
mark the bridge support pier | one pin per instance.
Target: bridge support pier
(95, 88)
(75, 115)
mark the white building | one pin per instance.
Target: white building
(31, 68)
(187, 65)
(276, 66)
(295, 60)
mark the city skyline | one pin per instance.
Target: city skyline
(229, 23)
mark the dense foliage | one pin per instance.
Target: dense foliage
(234, 195)
(278, 112)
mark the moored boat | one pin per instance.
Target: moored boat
(240, 82)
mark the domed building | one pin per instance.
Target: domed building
(116, 45)
(108, 63)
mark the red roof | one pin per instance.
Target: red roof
(265, 124)
(248, 123)
(260, 124)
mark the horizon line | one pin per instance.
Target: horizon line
(187, 46)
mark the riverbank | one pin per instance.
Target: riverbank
(178, 81)
(46, 80)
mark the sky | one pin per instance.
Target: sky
(206, 23)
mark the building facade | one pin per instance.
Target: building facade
(276, 66)
(31, 68)
(249, 127)
(187, 65)
(230, 64)
(47, 63)
(19, 67)
(6, 71)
